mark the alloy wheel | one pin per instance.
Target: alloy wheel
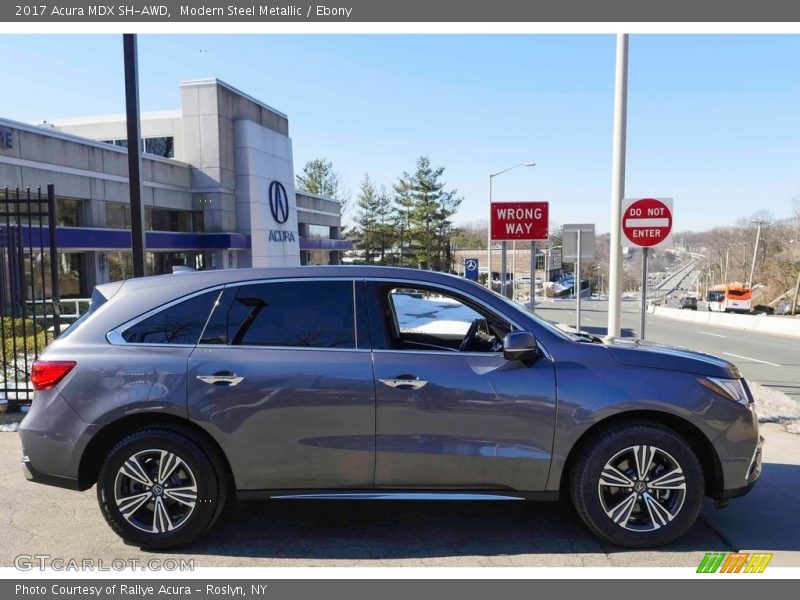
(642, 488)
(155, 491)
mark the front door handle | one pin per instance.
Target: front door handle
(220, 379)
(404, 382)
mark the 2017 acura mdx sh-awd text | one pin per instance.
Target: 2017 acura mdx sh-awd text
(178, 393)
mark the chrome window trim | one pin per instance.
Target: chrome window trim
(257, 347)
(114, 337)
(453, 353)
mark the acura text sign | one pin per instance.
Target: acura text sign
(647, 222)
(519, 221)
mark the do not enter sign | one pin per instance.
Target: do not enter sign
(647, 222)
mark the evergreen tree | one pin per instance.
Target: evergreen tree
(320, 178)
(421, 197)
(385, 238)
(367, 219)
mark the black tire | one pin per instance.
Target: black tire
(200, 466)
(616, 441)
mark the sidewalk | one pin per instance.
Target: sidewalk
(768, 518)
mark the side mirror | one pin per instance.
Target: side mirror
(521, 345)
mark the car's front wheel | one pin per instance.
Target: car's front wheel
(637, 484)
(158, 488)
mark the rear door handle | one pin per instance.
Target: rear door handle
(404, 382)
(221, 379)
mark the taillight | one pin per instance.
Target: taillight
(47, 373)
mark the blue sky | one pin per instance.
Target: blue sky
(713, 120)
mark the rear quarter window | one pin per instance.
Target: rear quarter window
(181, 323)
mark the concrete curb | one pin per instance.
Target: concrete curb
(759, 323)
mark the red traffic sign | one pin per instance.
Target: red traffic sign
(647, 222)
(519, 221)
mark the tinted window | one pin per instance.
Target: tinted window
(316, 314)
(181, 323)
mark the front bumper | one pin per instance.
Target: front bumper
(753, 473)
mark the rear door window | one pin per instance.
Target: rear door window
(303, 314)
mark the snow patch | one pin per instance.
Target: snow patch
(773, 406)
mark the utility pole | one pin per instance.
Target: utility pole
(134, 152)
(755, 254)
(796, 292)
(618, 186)
(725, 276)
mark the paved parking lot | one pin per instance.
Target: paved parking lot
(65, 524)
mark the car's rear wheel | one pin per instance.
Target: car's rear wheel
(159, 489)
(638, 485)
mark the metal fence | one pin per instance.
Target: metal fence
(29, 299)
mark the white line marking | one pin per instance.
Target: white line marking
(763, 362)
(646, 222)
(714, 334)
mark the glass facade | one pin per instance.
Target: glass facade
(118, 216)
(160, 146)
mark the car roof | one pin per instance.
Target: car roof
(202, 279)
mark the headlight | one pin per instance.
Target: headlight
(732, 389)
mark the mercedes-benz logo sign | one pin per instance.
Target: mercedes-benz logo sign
(278, 202)
(472, 264)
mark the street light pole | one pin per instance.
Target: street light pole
(489, 234)
(618, 186)
(133, 125)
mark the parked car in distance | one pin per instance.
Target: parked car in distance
(176, 394)
(762, 309)
(784, 308)
(688, 302)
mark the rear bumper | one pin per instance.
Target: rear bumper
(31, 474)
(53, 440)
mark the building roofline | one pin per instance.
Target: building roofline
(70, 137)
(317, 196)
(113, 118)
(229, 87)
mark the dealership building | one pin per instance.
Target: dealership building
(218, 189)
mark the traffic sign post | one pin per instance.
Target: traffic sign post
(646, 223)
(471, 268)
(578, 244)
(533, 276)
(512, 221)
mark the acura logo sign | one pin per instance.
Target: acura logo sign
(278, 202)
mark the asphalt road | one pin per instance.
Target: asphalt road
(771, 360)
(63, 524)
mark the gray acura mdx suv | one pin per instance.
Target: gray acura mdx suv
(177, 393)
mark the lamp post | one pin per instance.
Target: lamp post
(615, 274)
(489, 232)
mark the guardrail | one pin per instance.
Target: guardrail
(757, 323)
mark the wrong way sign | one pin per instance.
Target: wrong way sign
(647, 222)
(519, 221)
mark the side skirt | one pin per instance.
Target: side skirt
(421, 495)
